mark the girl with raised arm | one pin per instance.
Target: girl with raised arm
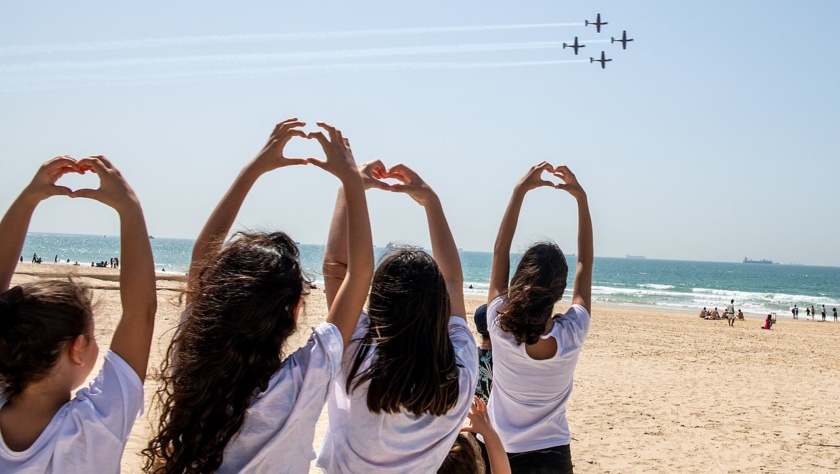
(535, 351)
(410, 370)
(47, 344)
(231, 402)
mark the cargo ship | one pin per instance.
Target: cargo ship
(763, 260)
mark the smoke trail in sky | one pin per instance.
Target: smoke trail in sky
(16, 50)
(215, 59)
(49, 83)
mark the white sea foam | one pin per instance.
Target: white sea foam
(657, 286)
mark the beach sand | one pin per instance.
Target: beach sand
(655, 391)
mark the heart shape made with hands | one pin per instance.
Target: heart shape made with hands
(78, 179)
(378, 176)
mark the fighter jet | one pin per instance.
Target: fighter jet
(575, 45)
(603, 60)
(597, 23)
(623, 40)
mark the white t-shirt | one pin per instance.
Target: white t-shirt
(528, 401)
(279, 428)
(361, 441)
(88, 433)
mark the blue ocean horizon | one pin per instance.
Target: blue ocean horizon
(667, 284)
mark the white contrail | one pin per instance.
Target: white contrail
(44, 83)
(256, 38)
(213, 59)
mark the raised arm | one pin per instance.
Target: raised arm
(335, 254)
(218, 225)
(133, 337)
(444, 250)
(480, 424)
(582, 293)
(15, 223)
(349, 298)
(500, 270)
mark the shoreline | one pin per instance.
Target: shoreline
(52, 270)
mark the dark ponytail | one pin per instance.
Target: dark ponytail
(36, 320)
(538, 283)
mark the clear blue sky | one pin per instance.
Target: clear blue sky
(714, 136)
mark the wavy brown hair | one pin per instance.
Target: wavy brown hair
(464, 457)
(538, 283)
(225, 351)
(414, 365)
(37, 320)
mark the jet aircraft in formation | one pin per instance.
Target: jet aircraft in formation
(603, 60)
(575, 45)
(598, 23)
(623, 40)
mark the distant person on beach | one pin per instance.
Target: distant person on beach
(768, 322)
(793, 311)
(730, 313)
(56, 259)
(823, 312)
(412, 366)
(703, 313)
(813, 313)
(231, 400)
(21, 259)
(535, 351)
(47, 343)
(740, 315)
(34, 258)
(715, 314)
(835, 314)
(807, 312)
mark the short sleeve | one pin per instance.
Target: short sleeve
(464, 344)
(572, 327)
(116, 396)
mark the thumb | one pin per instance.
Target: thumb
(62, 191)
(86, 193)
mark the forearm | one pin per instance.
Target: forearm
(218, 225)
(500, 270)
(137, 271)
(585, 256)
(510, 219)
(359, 242)
(13, 229)
(446, 255)
(499, 463)
(335, 253)
(133, 335)
(586, 251)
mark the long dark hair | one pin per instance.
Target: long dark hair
(37, 320)
(538, 283)
(226, 350)
(414, 365)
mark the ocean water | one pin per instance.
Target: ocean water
(757, 289)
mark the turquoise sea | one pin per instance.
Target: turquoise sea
(683, 285)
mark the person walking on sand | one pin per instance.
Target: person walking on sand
(793, 311)
(807, 312)
(835, 314)
(813, 313)
(823, 312)
(730, 313)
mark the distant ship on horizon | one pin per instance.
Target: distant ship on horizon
(763, 260)
(637, 257)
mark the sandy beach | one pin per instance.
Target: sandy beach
(655, 391)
